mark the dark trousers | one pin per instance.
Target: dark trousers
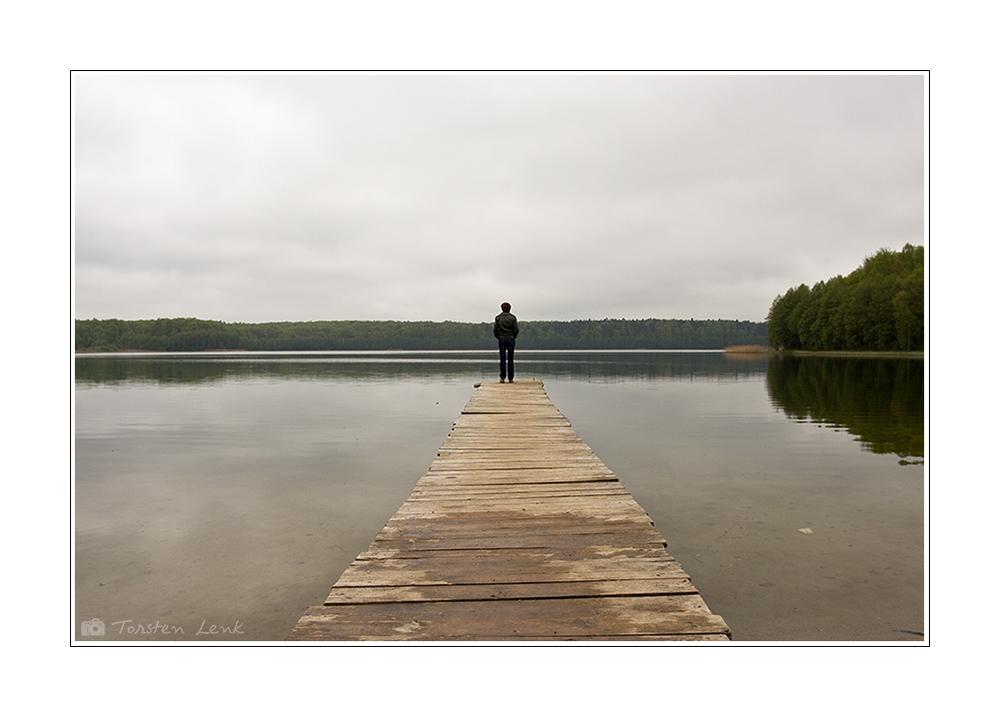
(506, 358)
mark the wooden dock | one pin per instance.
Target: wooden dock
(517, 532)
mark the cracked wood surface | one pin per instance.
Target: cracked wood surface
(516, 532)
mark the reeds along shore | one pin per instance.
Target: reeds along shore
(749, 349)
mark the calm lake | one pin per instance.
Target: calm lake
(219, 495)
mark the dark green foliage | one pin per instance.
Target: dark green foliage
(877, 307)
(200, 335)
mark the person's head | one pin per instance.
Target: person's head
(505, 306)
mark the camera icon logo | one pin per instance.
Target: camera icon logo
(92, 628)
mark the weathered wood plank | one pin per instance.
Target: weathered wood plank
(466, 539)
(429, 534)
(563, 619)
(567, 507)
(514, 462)
(517, 492)
(517, 521)
(510, 591)
(602, 485)
(502, 476)
(428, 571)
(395, 550)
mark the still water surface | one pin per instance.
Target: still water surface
(219, 495)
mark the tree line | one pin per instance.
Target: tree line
(191, 334)
(877, 307)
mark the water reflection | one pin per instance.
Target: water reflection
(617, 367)
(218, 367)
(881, 401)
(237, 487)
(597, 367)
(878, 400)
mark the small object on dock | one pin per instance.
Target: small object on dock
(517, 532)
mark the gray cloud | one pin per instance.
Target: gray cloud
(258, 198)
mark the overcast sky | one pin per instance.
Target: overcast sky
(436, 197)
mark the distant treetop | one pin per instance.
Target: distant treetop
(200, 335)
(877, 307)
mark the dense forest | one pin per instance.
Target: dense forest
(107, 335)
(877, 307)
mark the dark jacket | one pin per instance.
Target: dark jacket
(505, 326)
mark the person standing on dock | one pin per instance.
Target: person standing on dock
(505, 330)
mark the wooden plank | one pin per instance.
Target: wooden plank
(509, 591)
(608, 509)
(469, 539)
(516, 532)
(529, 491)
(516, 481)
(395, 550)
(577, 523)
(501, 476)
(528, 533)
(428, 571)
(563, 619)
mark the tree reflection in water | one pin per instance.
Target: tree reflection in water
(878, 400)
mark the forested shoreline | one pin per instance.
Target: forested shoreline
(191, 334)
(877, 307)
